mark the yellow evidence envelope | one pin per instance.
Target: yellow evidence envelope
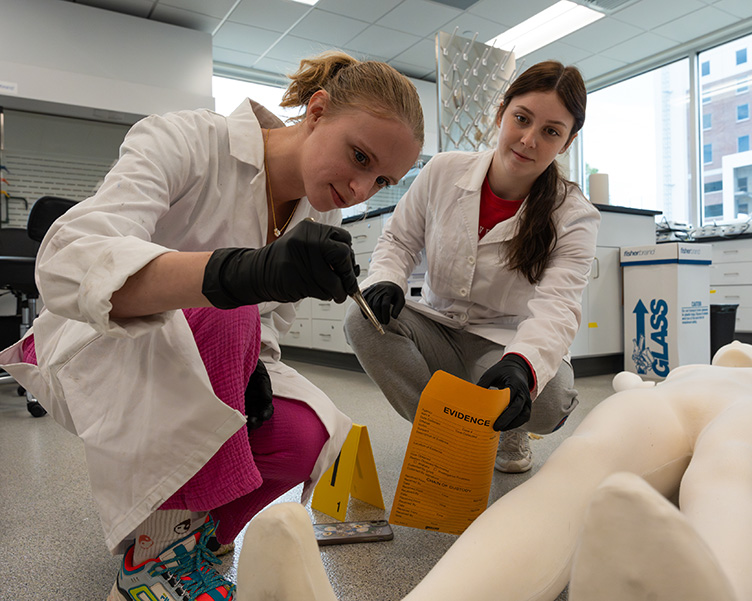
(449, 462)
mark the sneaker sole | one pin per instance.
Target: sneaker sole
(513, 467)
(115, 594)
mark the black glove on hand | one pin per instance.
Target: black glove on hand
(312, 259)
(514, 373)
(258, 397)
(385, 299)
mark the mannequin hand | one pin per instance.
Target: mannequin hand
(385, 299)
(312, 259)
(258, 397)
(514, 373)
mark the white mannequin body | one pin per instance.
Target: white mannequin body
(692, 433)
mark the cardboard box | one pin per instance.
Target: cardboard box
(666, 307)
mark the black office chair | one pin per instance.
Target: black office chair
(18, 251)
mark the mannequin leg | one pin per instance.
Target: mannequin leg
(716, 493)
(520, 548)
(636, 545)
(280, 560)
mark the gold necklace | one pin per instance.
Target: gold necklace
(277, 231)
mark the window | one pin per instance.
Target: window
(714, 186)
(636, 131)
(705, 68)
(707, 121)
(726, 147)
(741, 184)
(229, 93)
(742, 112)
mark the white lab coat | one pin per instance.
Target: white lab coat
(136, 390)
(466, 284)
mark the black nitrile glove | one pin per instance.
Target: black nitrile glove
(514, 373)
(385, 299)
(312, 259)
(258, 397)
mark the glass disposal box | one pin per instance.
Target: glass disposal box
(666, 307)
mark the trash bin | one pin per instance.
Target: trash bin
(722, 326)
(10, 330)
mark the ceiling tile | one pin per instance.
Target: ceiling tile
(275, 15)
(640, 47)
(694, 25)
(292, 49)
(382, 43)
(468, 25)
(738, 8)
(328, 28)
(509, 13)
(185, 18)
(233, 57)
(422, 54)
(363, 10)
(216, 8)
(244, 38)
(419, 17)
(559, 51)
(601, 35)
(649, 14)
(596, 65)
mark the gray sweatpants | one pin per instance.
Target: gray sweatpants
(402, 361)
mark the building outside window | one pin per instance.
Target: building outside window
(707, 154)
(705, 68)
(731, 159)
(707, 121)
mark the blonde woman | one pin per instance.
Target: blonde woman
(148, 347)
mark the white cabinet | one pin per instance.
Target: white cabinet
(731, 278)
(602, 329)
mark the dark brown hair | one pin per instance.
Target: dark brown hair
(530, 249)
(367, 85)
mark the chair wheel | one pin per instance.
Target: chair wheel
(35, 409)
(20, 391)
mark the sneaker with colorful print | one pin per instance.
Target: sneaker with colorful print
(182, 572)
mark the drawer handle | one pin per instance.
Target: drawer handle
(360, 237)
(731, 296)
(325, 335)
(731, 273)
(294, 334)
(730, 252)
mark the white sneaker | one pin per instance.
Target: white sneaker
(514, 455)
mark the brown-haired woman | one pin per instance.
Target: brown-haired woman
(148, 347)
(509, 245)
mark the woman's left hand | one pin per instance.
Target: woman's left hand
(514, 373)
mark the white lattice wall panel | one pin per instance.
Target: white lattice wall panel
(31, 176)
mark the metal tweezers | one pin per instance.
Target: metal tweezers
(357, 296)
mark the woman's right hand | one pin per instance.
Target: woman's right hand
(312, 259)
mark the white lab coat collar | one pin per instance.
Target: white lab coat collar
(250, 116)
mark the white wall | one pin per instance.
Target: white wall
(76, 60)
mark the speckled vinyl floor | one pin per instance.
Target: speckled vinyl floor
(51, 544)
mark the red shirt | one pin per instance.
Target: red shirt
(493, 209)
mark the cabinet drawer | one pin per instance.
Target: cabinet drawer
(364, 234)
(744, 319)
(299, 334)
(731, 295)
(328, 335)
(730, 274)
(364, 261)
(733, 251)
(321, 309)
